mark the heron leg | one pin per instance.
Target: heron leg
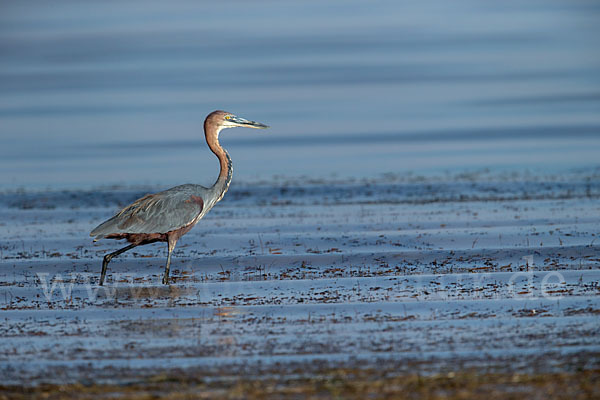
(110, 256)
(172, 242)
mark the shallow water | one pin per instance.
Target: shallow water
(97, 93)
(488, 272)
(427, 199)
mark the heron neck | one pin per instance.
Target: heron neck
(222, 184)
(224, 179)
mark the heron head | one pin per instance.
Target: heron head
(224, 119)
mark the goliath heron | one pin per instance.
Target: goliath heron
(168, 215)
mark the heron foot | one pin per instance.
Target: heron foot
(105, 262)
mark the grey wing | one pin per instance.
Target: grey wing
(155, 213)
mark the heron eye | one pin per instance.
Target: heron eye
(228, 117)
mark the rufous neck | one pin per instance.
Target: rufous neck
(211, 131)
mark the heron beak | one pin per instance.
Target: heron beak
(248, 124)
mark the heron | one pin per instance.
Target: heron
(168, 215)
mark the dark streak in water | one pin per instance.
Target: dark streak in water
(484, 134)
(549, 99)
(288, 77)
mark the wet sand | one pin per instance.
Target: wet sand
(463, 281)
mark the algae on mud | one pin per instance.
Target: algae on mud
(327, 383)
(493, 277)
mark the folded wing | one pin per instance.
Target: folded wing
(155, 213)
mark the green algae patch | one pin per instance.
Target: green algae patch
(342, 383)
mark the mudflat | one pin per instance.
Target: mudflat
(479, 283)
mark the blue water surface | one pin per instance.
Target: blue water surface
(102, 93)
